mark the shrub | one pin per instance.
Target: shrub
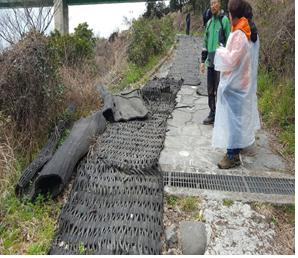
(80, 88)
(155, 10)
(149, 37)
(29, 92)
(277, 36)
(72, 49)
(39, 78)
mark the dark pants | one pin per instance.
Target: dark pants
(187, 28)
(232, 153)
(212, 84)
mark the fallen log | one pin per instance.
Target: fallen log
(58, 171)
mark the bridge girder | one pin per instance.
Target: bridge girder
(61, 8)
(38, 3)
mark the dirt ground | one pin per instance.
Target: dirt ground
(266, 229)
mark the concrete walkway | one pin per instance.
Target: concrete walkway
(188, 144)
(231, 229)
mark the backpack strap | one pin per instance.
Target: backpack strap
(208, 24)
(222, 27)
(222, 15)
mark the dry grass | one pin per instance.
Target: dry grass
(25, 228)
(104, 56)
(8, 170)
(119, 56)
(196, 21)
(283, 216)
(80, 88)
(275, 20)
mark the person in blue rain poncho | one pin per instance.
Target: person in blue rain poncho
(237, 117)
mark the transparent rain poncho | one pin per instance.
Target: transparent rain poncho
(237, 117)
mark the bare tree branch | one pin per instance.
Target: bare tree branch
(16, 22)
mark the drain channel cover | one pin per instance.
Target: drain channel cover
(266, 185)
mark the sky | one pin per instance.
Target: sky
(103, 19)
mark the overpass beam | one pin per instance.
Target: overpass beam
(61, 16)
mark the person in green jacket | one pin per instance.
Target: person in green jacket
(216, 33)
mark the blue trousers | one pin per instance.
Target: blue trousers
(232, 153)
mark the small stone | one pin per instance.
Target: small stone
(193, 237)
(171, 236)
(246, 210)
(172, 252)
(184, 153)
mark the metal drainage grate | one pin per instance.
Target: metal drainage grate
(228, 183)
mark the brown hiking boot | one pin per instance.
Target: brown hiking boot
(227, 163)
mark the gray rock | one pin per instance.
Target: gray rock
(171, 236)
(187, 100)
(172, 252)
(193, 237)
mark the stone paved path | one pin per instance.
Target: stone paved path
(188, 142)
(236, 229)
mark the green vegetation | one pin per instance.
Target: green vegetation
(63, 137)
(189, 203)
(26, 227)
(227, 202)
(172, 200)
(155, 10)
(82, 248)
(72, 49)
(175, 5)
(277, 106)
(150, 38)
(134, 73)
(287, 211)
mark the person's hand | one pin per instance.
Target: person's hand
(202, 68)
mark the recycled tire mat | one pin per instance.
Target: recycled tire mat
(116, 203)
(186, 60)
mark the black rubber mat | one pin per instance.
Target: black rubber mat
(116, 204)
(186, 63)
(248, 184)
(186, 60)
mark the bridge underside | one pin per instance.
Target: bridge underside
(60, 8)
(38, 3)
